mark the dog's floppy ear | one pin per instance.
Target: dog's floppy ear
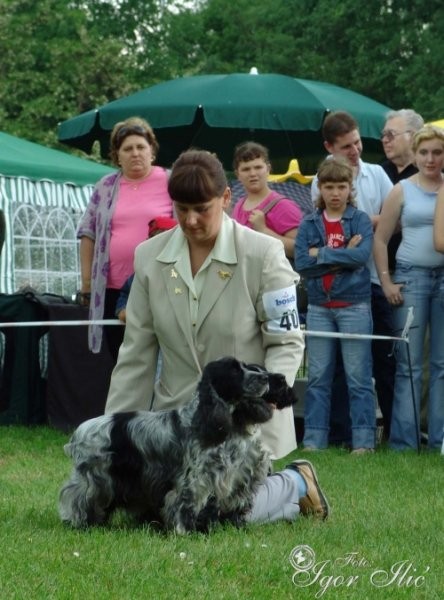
(251, 412)
(212, 420)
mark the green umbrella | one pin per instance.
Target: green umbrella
(216, 112)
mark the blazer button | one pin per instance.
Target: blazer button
(200, 347)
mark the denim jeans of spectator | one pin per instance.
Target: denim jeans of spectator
(356, 355)
(423, 289)
(383, 373)
(340, 422)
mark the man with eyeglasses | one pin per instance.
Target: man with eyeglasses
(396, 137)
(371, 185)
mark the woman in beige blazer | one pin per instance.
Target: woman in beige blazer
(206, 289)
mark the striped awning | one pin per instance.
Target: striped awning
(19, 191)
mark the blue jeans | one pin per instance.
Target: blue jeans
(357, 359)
(383, 373)
(423, 288)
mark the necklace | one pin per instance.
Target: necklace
(429, 186)
(134, 184)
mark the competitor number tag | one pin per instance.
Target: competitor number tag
(281, 309)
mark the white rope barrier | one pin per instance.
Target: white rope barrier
(60, 323)
(404, 337)
(352, 336)
(86, 322)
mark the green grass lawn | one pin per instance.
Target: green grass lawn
(384, 538)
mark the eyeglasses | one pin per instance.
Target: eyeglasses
(390, 134)
(130, 130)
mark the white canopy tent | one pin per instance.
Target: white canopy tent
(43, 193)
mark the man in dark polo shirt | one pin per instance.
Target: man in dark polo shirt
(396, 137)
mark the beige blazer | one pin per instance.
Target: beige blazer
(231, 321)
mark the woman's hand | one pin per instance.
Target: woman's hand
(121, 315)
(354, 241)
(83, 298)
(392, 292)
(257, 220)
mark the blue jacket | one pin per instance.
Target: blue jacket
(352, 281)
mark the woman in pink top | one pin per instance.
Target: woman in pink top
(263, 209)
(115, 223)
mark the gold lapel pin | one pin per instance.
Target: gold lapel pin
(173, 274)
(177, 290)
(224, 274)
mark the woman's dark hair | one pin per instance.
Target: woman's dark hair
(131, 126)
(197, 176)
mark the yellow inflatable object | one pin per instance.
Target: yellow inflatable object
(439, 123)
(293, 172)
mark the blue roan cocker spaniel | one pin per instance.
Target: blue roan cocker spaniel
(183, 469)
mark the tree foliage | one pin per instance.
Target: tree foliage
(390, 50)
(63, 57)
(54, 64)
